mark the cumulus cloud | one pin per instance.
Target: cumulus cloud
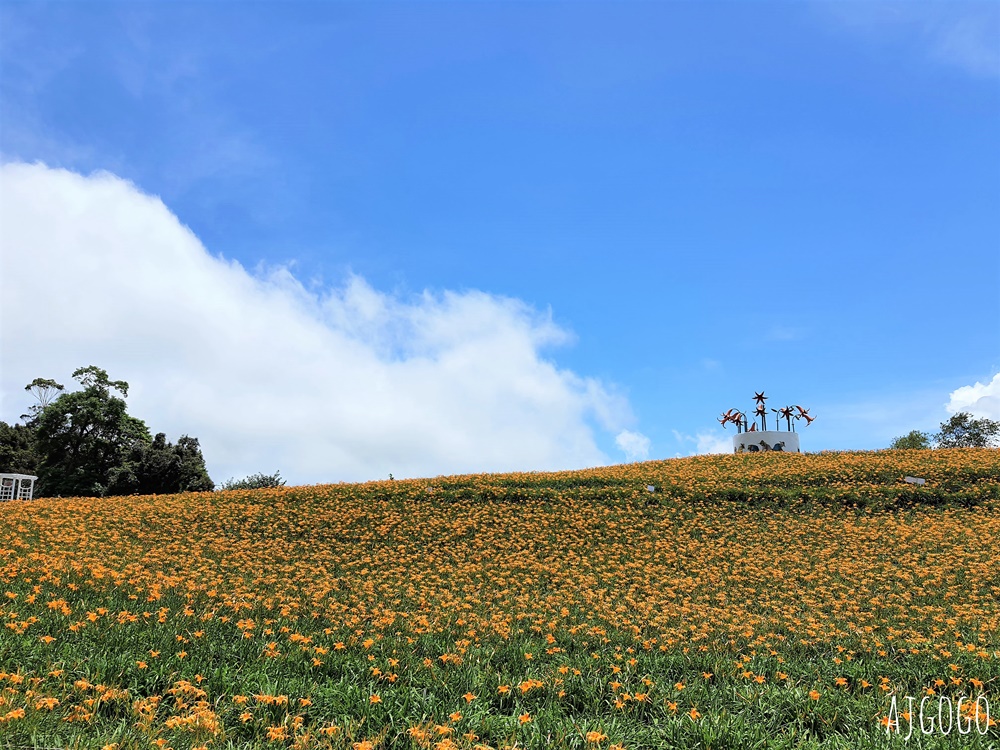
(706, 442)
(634, 444)
(980, 399)
(344, 384)
(709, 442)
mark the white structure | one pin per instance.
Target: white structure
(766, 440)
(16, 486)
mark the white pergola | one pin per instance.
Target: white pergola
(16, 486)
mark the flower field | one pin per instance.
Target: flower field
(774, 600)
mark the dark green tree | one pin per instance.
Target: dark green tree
(18, 449)
(964, 431)
(87, 440)
(162, 468)
(914, 440)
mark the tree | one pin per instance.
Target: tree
(963, 431)
(163, 468)
(18, 449)
(44, 389)
(914, 440)
(86, 439)
(85, 443)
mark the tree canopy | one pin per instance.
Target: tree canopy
(164, 467)
(18, 452)
(962, 430)
(86, 438)
(965, 431)
(914, 440)
(85, 443)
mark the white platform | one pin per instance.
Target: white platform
(766, 440)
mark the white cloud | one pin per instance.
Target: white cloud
(634, 444)
(972, 43)
(706, 442)
(346, 384)
(709, 442)
(980, 400)
(960, 34)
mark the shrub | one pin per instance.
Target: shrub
(254, 482)
(914, 440)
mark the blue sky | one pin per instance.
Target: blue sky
(655, 208)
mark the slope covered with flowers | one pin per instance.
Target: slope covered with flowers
(711, 601)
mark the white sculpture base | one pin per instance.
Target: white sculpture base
(766, 440)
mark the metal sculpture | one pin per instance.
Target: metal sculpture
(804, 414)
(788, 413)
(735, 416)
(761, 411)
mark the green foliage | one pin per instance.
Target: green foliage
(912, 441)
(163, 468)
(963, 431)
(175, 468)
(44, 389)
(18, 453)
(87, 440)
(85, 443)
(254, 482)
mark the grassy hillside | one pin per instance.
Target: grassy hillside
(747, 601)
